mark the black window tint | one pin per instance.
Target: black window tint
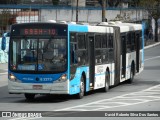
(73, 56)
(98, 41)
(104, 41)
(81, 42)
(140, 39)
(110, 41)
(129, 37)
(128, 43)
(133, 41)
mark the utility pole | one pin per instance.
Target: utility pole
(103, 10)
(77, 11)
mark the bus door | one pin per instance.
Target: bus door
(123, 50)
(91, 54)
(137, 50)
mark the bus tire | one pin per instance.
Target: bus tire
(29, 96)
(107, 79)
(131, 75)
(82, 89)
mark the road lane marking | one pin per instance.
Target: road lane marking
(114, 102)
(152, 58)
(131, 96)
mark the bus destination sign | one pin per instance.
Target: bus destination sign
(38, 31)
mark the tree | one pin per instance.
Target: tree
(153, 8)
(111, 3)
(10, 1)
(4, 19)
(55, 2)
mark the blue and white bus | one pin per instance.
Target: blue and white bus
(57, 58)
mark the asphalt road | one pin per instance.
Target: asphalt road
(142, 95)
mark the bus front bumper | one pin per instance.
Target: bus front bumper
(54, 88)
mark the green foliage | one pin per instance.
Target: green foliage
(10, 1)
(152, 6)
(4, 17)
(55, 2)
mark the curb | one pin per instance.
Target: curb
(149, 46)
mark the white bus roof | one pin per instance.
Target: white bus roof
(125, 27)
(100, 29)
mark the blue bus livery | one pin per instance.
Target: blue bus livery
(57, 58)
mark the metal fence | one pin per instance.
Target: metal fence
(12, 16)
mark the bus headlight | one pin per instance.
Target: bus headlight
(63, 77)
(13, 78)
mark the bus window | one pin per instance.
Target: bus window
(129, 38)
(98, 41)
(140, 41)
(51, 54)
(73, 48)
(104, 51)
(81, 41)
(110, 48)
(133, 41)
(81, 52)
(110, 41)
(98, 55)
(73, 59)
(104, 41)
(28, 50)
(73, 56)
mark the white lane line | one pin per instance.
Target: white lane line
(98, 109)
(152, 58)
(113, 103)
(146, 93)
(117, 97)
(103, 107)
(148, 89)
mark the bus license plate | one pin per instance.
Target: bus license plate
(37, 87)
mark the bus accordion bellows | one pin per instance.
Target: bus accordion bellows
(57, 58)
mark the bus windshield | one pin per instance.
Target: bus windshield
(38, 54)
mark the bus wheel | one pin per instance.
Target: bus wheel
(29, 96)
(107, 79)
(131, 75)
(82, 89)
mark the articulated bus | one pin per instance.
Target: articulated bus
(72, 59)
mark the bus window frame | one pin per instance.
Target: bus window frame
(36, 71)
(110, 47)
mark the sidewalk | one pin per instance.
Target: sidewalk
(151, 45)
(3, 68)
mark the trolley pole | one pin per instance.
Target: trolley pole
(103, 10)
(77, 11)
